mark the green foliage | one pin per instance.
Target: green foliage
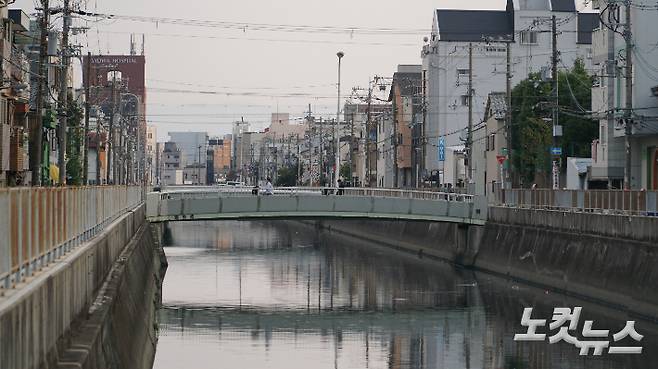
(532, 135)
(345, 172)
(287, 176)
(75, 145)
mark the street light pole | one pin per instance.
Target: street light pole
(340, 55)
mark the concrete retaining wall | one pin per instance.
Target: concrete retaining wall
(121, 328)
(617, 271)
(36, 318)
(620, 226)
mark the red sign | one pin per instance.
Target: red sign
(501, 158)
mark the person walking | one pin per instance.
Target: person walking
(268, 189)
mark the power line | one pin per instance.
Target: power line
(246, 26)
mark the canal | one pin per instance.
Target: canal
(279, 294)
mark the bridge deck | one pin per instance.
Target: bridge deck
(197, 204)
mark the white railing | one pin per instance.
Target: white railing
(229, 191)
(39, 225)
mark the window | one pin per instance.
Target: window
(495, 49)
(462, 72)
(464, 100)
(529, 37)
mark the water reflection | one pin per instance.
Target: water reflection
(278, 295)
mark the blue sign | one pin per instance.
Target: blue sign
(557, 151)
(442, 149)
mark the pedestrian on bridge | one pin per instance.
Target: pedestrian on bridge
(268, 189)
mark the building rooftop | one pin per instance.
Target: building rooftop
(475, 25)
(587, 23)
(408, 83)
(563, 6)
(496, 105)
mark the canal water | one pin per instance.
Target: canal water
(276, 294)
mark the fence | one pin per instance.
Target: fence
(600, 201)
(41, 224)
(212, 192)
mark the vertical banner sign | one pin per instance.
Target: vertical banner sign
(442, 149)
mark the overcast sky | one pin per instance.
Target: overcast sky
(267, 63)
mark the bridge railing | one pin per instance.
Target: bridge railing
(210, 192)
(643, 203)
(41, 224)
(407, 194)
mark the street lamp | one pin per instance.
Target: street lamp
(340, 55)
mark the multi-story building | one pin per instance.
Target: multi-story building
(525, 25)
(365, 151)
(609, 99)
(172, 164)
(193, 146)
(489, 141)
(220, 150)
(96, 150)
(151, 154)
(237, 161)
(14, 99)
(406, 100)
(195, 174)
(118, 87)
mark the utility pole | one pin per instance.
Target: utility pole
(395, 145)
(508, 116)
(340, 55)
(423, 139)
(42, 93)
(63, 95)
(198, 169)
(628, 113)
(469, 138)
(369, 165)
(85, 155)
(352, 149)
(611, 72)
(321, 154)
(110, 143)
(556, 126)
(299, 162)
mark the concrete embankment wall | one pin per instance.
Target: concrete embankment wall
(604, 258)
(42, 322)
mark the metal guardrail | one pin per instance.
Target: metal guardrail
(41, 224)
(642, 203)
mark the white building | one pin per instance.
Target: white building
(489, 143)
(527, 23)
(172, 167)
(608, 100)
(151, 154)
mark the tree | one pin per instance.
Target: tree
(345, 172)
(532, 103)
(75, 143)
(287, 176)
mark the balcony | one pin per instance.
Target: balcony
(19, 77)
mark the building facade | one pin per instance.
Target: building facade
(526, 26)
(609, 97)
(172, 164)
